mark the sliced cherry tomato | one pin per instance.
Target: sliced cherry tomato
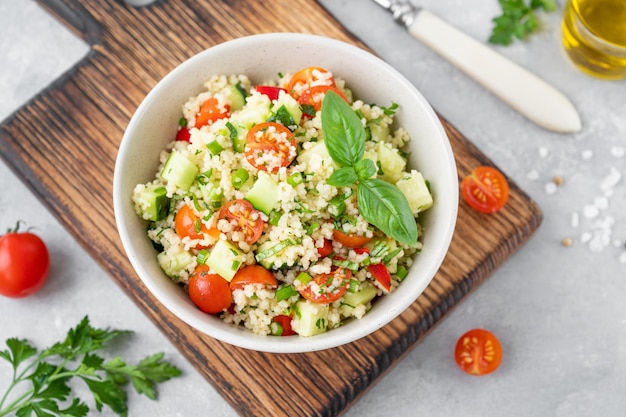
(244, 218)
(188, 224)
(253, 274)
(315, 95)
(285, 324)
(307, 78)
(183, 134)
(361, 251)
(209, 292)
(381, 275)
(478, 352)
(325, 250)
(24, 263)
(485, 189)
(270, 91)
(270, 146)
(351, 241)
(210, 111)
(327, 288)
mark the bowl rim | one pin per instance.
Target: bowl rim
(241, 337)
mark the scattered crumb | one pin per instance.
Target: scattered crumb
(587, 154)
(558, 180)
(567, 242)
(618, 151)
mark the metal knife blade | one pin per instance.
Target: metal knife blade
(523, 91)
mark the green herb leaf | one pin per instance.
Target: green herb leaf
(344, 134)
(383, 205)
(343, 177)
(365, 168)
(517, 20)
(19, 351)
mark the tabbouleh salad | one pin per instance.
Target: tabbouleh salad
(286, 207)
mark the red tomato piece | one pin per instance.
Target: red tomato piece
(485, 189)
(24, 264)
(327, 288)
(315, 95)
(210, 111)
(478, 352)
(381, 275)
(209, 292)
(183, 134)
(325, 250)
(245, 219)
(253, 274)
(307, 78)
(270, 91)
(351, 241)
(269, 146)
(285, 323)
(188, 224)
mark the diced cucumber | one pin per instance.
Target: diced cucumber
(290, 105)
(152, 203)
(264, 193)
(266, 262)
(391, 162)
(391, 246)
(237, 134)
(212, 194)
(311, 318)
(414, 187)
(267, 251)
(179, 170)
(236, 97)
(174, 261)
(225, 259)
(378, 132)
(251, 115)
(318, 149)
(351, 300)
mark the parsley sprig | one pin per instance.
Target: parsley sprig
(48, 374)
(382, 204)
(518, 19)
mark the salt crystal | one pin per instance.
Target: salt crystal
(543, 152)
(587, 154)
(575, 220)
(550, 188)
(585, 237)
(622, 258)
(611, 180)
(596, 244)
(618, 151)
(590, 211)
(533, 175)
(601, 203)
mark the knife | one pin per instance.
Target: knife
(523, 91)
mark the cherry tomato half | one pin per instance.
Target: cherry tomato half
(209, 292)
(188, 224)
(381, 275)
(210, 111)
(327, 288)
(325, 250)
(253, 274)
(478, 352)
(350, 241)
(315, 95)
(485, 189)
(270, 91)
(24, 264)
(307, 78)
(182, 134)
(244, 218)
(285, 324)
(269, 146)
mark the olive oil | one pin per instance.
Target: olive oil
(594, 36)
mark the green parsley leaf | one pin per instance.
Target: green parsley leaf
(518, 20)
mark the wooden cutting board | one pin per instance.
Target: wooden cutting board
(63, 145)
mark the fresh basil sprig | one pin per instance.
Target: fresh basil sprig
(380, 203)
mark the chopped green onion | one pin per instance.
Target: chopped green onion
(276, 329)
(344, 263)
(205, 177)
(353, 285)
(214, 147)
(304, 278)
(320, 323)
(336, 207)
(202, 256)
(401, 273)
(391, 255)
(295, 179)
(311, 228)
(235, 265)
(274, 217)
(274, 249)
(379, 250)
(239, 178)
(182, 122)
(198, 226)
(285, 292)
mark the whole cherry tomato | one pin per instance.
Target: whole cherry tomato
(24, 263)
(209, 292)
(478, 352)
(253, 274)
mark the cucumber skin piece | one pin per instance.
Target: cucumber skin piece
(221, 259)
(414, 187)
(179, 171)
(309, 317)
(156, 203)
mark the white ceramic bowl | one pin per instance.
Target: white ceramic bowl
(261, 57)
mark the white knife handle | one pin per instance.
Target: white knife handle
(520, 89)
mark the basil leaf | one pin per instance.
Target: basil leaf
(343, 177)
(344, 134)
(383, 205)
(365, 168)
